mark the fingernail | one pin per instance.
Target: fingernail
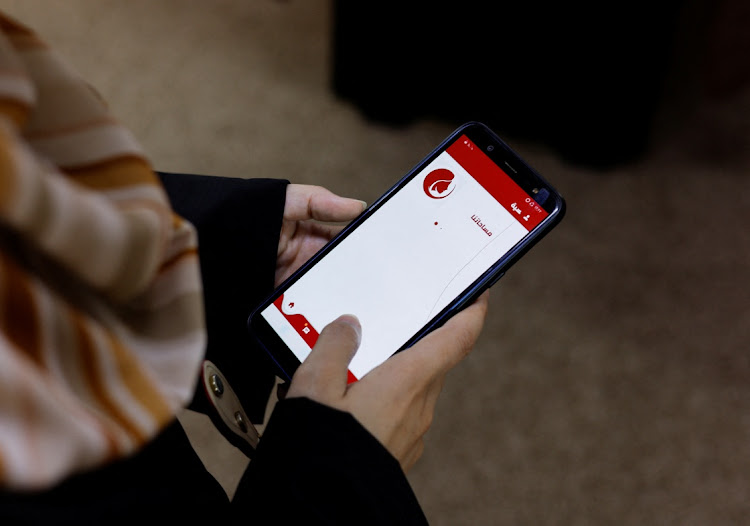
(364, 204)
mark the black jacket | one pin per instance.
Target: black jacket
(314, 464)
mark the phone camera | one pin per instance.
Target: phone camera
(490, 147)
(541, 195)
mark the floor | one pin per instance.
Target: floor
(612, 382)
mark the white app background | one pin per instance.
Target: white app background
(402, 266)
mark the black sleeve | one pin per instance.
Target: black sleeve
(316, 465)
(238, 223)
(163, 483)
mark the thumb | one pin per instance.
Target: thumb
(323, 374)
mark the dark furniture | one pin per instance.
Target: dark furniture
(584, 79)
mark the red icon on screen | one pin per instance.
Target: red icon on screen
(439, 183)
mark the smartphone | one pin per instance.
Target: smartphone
(428, 247)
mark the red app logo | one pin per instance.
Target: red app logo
(439, 184)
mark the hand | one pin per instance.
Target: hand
(302, 234)
(396, 400)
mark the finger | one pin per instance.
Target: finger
(315, 202)
(444, 348)
(432, 393)
(464, 329)
(323, 374)
(412, 456)
(317, 232)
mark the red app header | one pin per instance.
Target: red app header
(498, 183)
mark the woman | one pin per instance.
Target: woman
(118, 284)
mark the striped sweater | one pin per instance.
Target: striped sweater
(101, 315)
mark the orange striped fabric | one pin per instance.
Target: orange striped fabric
(101, 316)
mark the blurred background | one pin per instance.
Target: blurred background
(612, 382)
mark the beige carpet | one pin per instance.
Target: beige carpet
(612, 382)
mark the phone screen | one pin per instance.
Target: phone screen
(424, 246)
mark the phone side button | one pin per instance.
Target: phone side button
(496, 279)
